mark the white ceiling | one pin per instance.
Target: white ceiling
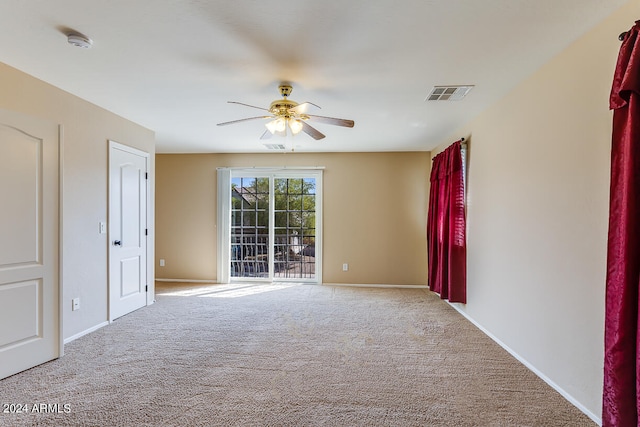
(171, 65)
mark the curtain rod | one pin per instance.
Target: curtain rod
(461, 143)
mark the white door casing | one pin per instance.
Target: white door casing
(128, 190)
(30, 326)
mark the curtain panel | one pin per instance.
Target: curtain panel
(446, 226)
(620, 400)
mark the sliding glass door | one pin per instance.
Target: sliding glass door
(274, 225)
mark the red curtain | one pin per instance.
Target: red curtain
(446, 226)
(620, 400)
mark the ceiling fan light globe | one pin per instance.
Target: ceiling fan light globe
(295, 126)
(277, 125)
(271, 126)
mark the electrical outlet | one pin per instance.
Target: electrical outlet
(345, 267)
(161, 262)
(75, 304)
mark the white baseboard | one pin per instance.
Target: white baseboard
(357, 285)
(85, 332)
(186, 281)
(376, 285)
(532, 368)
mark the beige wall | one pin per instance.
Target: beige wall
(87, 129)
(537, 213)
(375, 207)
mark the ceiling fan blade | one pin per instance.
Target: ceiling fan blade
(311, 131)
(332, 121)
(302, 107)
(247, 105)
(243, 120)
(266, 135)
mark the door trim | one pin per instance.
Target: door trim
(113, 145)
(60, 239)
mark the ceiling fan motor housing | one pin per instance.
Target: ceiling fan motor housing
(281, 107)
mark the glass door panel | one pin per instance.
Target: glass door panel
(250, 227)
(294, 228)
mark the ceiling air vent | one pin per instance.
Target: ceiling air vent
(448, 93)
(275, 146)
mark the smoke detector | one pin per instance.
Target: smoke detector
(79, 40)
(448, 93)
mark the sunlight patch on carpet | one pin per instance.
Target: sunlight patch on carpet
(233, 290)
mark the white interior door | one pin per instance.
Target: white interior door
(29, 242)
(127, 229)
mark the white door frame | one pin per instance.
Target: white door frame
(60, 235)
(113, 145)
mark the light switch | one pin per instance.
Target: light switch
(103, 227)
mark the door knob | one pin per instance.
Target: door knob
(117, 243)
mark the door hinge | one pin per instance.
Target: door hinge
(146, 232)
(146, 288)
(146, 175)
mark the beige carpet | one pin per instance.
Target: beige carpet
(297, 355)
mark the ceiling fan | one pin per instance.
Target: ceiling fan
(287, 114)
